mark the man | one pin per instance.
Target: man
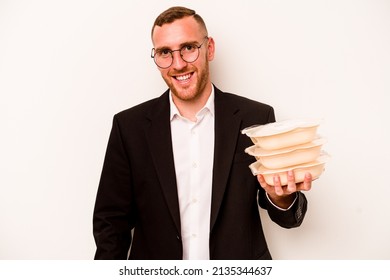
(175, 170)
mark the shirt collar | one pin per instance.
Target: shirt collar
(209, 106)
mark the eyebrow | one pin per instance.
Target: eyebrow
(180, 46)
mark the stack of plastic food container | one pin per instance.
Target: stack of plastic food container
(286, 145)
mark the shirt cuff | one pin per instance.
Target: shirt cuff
(282, 209)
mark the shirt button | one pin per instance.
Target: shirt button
(194, 165)
(194, 200)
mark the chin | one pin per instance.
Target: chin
(185, 95)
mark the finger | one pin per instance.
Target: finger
(307, 182)
(277, 186)
(263, 183)
(291, 186)
(261, 180)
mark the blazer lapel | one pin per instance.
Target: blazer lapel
(227, 126)
(158, 136)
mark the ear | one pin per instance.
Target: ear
(210, 49)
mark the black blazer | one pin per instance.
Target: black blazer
(138, 191)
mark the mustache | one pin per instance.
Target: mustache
(186, 70)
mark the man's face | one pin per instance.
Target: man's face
(187, 81)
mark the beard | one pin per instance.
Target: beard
(194, 90)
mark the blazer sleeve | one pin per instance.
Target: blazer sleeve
(290, 218)
(112, 217)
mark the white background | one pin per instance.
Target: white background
(66, 67)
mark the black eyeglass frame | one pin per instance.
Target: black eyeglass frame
(153, 54)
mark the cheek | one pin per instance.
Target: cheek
(204, 62)
(166, 77)
(163, 73)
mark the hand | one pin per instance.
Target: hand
(283, 196)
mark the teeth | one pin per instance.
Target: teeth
(182, 78)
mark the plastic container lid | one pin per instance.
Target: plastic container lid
(279, 127)
(257, 168)
(260, 152)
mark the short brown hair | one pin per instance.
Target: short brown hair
(175, 13)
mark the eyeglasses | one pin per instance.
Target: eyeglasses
(164, 57)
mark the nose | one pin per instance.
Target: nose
(178, 63)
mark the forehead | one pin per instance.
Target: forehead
(173, 34)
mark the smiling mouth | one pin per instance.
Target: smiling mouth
(183, 78)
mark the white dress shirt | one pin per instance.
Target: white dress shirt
(193, 152)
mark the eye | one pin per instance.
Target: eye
(188, 48)
(164, 52)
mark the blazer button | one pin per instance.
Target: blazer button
(178, 237)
